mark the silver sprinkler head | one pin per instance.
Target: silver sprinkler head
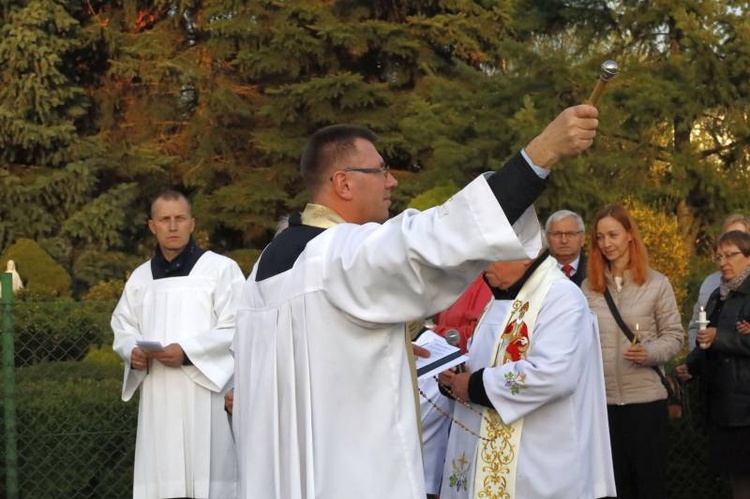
(608, 70)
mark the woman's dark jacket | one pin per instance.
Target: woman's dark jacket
(724, 368)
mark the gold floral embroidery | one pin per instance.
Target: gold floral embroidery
(497, 453)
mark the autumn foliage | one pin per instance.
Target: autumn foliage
(668, 252)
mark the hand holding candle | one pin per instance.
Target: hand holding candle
(702, 324)
(635, 352)
(636, 339)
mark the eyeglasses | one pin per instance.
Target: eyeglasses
(719, 257)
(383, 169)
(560, 235)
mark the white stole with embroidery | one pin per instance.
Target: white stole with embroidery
(496, 457)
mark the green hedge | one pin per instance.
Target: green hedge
(76, 438)
(59, 330)
(39, 272)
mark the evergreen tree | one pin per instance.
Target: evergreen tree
(411, 71)
(53, 172)
(674, 124)
(223, 94)
(38, 104)
(103, 103)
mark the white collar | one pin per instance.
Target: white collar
(573, 264)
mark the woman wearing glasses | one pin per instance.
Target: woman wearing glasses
(724, 364)
(636, 399)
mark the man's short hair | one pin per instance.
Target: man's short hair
(169, 194)
(328, 147)
(562, 214)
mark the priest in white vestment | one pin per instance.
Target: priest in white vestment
(324, 405)
(530, 419)
(186, 299)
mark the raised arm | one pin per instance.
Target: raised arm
(517, 184)
(571, 133)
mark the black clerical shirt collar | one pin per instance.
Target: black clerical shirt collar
(180, 266)
(295, 218)
(512, 292)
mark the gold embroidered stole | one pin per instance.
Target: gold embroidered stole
(317, 215)
(497, 449)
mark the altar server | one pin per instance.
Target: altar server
(185, 299)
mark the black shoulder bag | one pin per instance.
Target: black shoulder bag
(629, 335)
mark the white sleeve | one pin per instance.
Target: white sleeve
(418, 263)
(560, 343)
(210, 352)
(127, 332)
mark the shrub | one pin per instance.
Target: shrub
(106, 290)
(75, 437)
(39, 272)
(59, 330)
(668, 251)
(92, 266)
(104, 356)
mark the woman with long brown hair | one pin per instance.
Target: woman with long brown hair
(636, 398)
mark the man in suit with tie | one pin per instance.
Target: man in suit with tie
(566, 235)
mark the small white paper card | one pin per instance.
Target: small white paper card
(442, 355)
(150, 345)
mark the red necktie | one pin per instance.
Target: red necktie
(568, 270)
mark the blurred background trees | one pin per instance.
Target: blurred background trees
(103, 103)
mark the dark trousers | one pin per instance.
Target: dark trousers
(638, 435)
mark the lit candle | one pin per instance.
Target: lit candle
(635, 336)
(702, 316)
(702, 323)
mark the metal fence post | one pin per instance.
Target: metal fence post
(9, 390)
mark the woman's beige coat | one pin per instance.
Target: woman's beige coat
(652, 306)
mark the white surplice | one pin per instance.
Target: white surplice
(564, 443)
(324, 405)
(184, 446)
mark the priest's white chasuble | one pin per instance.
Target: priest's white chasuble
(547, 435)
(184, 445)
(324, 405)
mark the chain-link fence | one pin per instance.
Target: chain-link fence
(689, 476)
(76, 437)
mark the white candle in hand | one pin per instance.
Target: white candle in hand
(702, 324)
